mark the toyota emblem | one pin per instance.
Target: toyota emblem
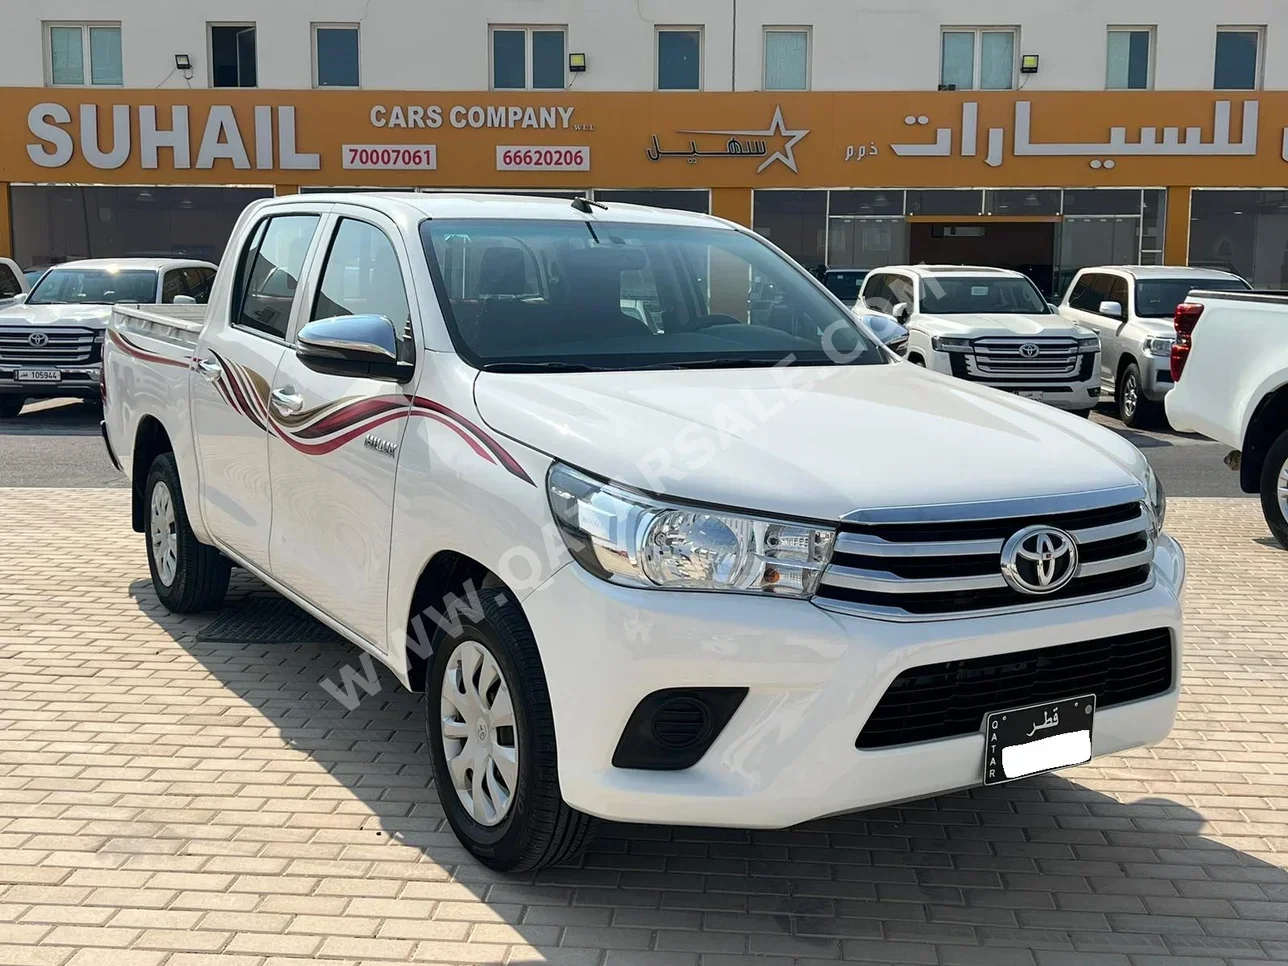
(1039, 560)
(1029, 350)
(37, 340)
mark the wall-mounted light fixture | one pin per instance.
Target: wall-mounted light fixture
(576, 63)
(1029, 64)
(182, 62)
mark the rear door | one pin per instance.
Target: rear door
(236, 359)
(333, 494)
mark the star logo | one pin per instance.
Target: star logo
(777, 127)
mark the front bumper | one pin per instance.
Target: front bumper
(788, 754)
(1072, 393)
(80, 380)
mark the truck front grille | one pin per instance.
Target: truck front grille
(944, 562)
(937, 701)
(997, 360)
(63, 346)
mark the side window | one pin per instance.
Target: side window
(9, 284)
(362, 277)
(901, 291)
(270, 273)
(197, 283)
(876, 292)
(1117, 289)
(1078, 294)
(1087, 294)
(172, 285)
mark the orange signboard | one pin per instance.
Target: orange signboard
(657, 140)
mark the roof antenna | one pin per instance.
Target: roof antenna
(583, 204)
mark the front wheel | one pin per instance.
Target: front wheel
(188, 575)
(492, 741)
(1274, 489)
(1133, 408)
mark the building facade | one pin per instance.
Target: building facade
(1040, 136)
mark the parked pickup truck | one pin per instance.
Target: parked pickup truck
(989, 326)
(51, 342)
(1131, 308)
(1230, 361)
(746, 569)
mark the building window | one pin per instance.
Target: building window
(232, 55)
(1129, 59)
(80, 54)
(528, 58)
(335, 55)
(992, 70)
(1238, 59)
(679, 59)
(786, 59)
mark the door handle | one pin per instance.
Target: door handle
(286, 401)
(210, 369)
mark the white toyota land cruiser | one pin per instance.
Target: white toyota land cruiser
(733, 565)
(991, 326)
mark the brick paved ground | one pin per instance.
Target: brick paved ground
(168, 802)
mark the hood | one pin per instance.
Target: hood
(975, 326)
(85, 316)
(817, 443)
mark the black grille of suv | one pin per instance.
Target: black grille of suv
(53, 346)
(946, 700)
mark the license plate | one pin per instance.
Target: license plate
(39, 375)
(1029, 394)
(1042, 737)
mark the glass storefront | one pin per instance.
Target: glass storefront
(57, 223)
(1242, 231)
(858, 230)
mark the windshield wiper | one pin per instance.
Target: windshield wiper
(550, 366)
(728, 362)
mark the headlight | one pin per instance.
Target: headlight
(1086, 344)
(628, 538)
(1159, 345)
(943, 343)
(1156, 500)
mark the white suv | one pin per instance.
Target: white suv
(990, 326)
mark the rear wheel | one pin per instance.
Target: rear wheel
(492, 742)
(1133, 408)
(1274, 489)
(188, 575)
(10, 406)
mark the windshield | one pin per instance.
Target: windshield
(995, 294)
(1157, 298)
(94, 286)
(523, 294)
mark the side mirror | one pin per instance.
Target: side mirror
(184, 300)
(13, 299)
(365, 346)
(901, 311)
(1113, 310)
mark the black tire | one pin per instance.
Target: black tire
(1134, 409)
(200, 578)
(1270, 472)
(10, 406)
(539, 829)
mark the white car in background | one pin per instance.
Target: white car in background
(51, 341)
(989, 326)
(1131, 308)
(13, 282)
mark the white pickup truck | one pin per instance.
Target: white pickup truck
(1230, 364)
(989, 326)
(735, 565)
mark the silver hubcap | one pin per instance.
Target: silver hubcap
(480, 738)
(164, 536)
(1129, 395)
(1281, 491)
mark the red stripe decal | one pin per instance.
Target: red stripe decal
(504, 458)
(140, 353)
(350, 415)
(242, 405)
(469, 440)
(321, 449)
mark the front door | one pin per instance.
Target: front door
(236, 359)
(335, 456)
(1083, 307)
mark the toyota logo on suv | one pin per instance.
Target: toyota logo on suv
(37, 340)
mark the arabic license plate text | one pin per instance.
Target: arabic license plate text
(1042, 737)
(1030, 394)
(39, 375)
(513, 157)
(390, 157)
